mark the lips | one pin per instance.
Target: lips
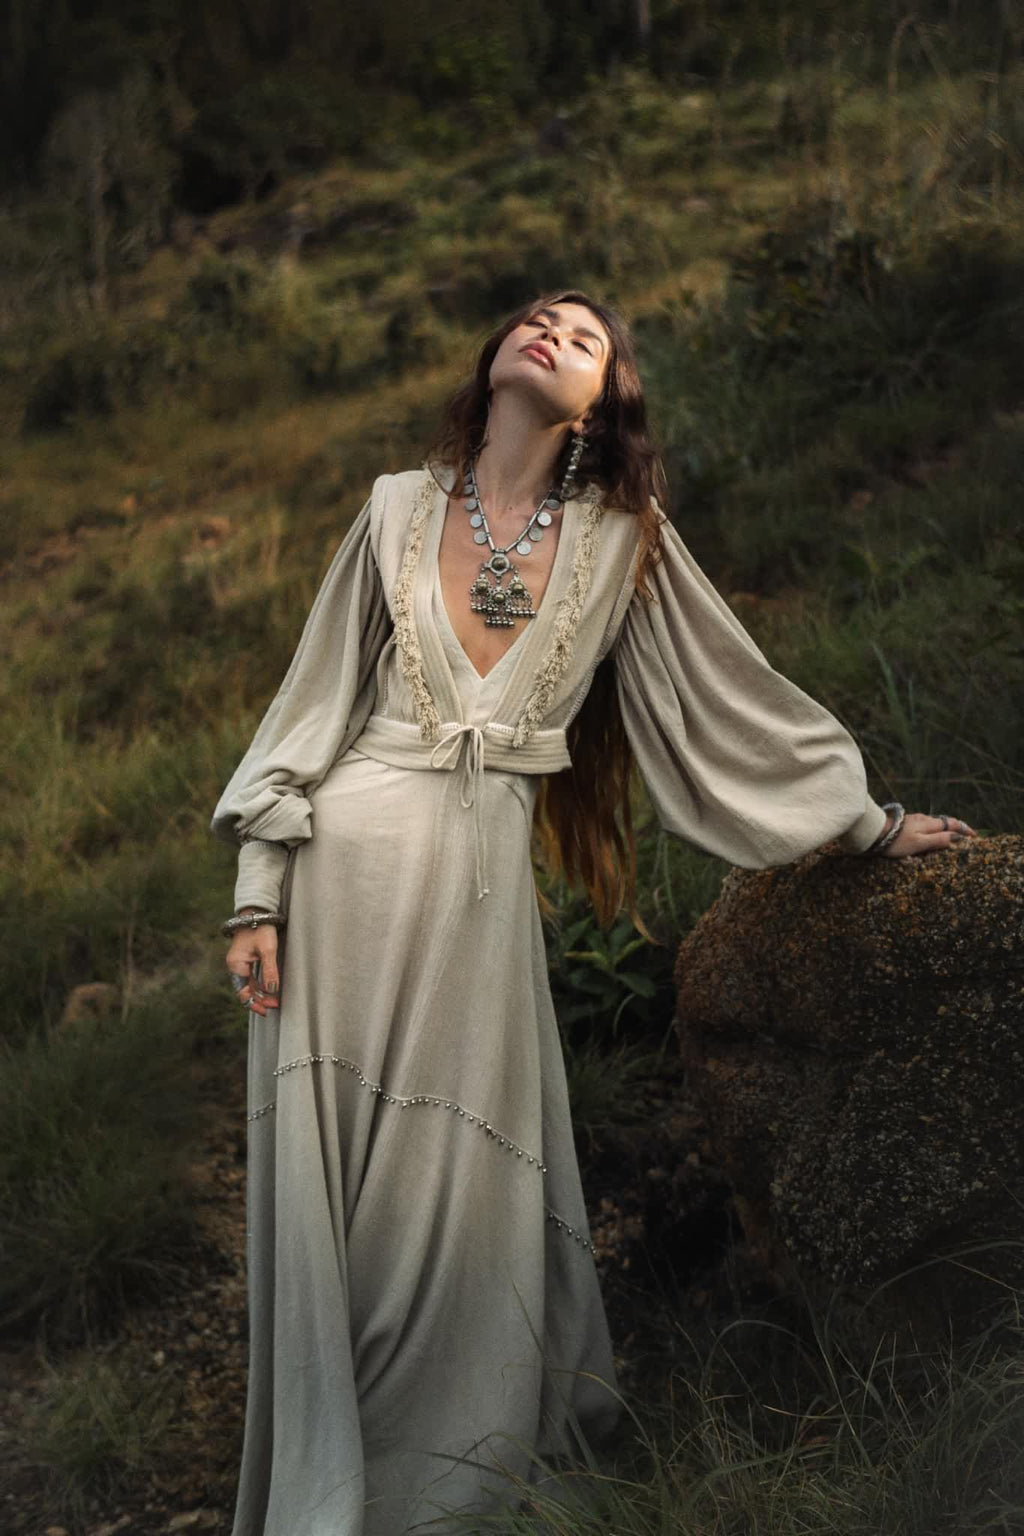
(541, 351)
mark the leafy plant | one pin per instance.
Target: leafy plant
(100, 1424)
(99, 1118)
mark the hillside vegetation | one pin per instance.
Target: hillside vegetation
(825, 272)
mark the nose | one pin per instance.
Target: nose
(551, 334)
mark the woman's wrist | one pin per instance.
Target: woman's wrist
(894, 818)
(870, 825)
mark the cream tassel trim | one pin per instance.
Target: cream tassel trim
(406, 637)
(567, 620)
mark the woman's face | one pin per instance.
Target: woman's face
(561, 355)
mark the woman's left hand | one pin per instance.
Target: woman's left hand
(927, 834)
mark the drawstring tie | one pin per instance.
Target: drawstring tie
(471, 791)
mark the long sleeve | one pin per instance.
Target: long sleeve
(319, 707)
(736, 758)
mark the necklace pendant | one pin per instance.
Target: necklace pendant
(500, 605)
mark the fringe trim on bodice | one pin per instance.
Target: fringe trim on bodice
(567, 617)
(406, 637)
(567, 620)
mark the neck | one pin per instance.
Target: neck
(516, 465)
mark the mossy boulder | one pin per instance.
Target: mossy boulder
(853, 1030)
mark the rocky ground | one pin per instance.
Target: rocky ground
(661, 1224)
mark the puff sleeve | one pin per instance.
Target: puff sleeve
(736, 758)
(318, 710)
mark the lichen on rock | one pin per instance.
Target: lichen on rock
(854, 1032)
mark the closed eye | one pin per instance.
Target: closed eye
(585, 348)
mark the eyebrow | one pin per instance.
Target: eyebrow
(581, 330)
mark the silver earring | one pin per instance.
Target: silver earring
(569, 483)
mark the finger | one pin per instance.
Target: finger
(950, 824)
(263, 994)
(269, 975)
(935, 841)
(236, 976)
(260, 1002)
(255, 994)
(270, 980)
(958, 832)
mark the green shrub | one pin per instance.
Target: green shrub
(107, 367)
(275, 123)
(221, 292)
(779, 1428)
(619, 982)
(98, 1119)
(99, 1426)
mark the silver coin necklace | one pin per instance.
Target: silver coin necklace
(500, 603)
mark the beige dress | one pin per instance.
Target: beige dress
(424, 1307)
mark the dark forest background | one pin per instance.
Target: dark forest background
(247, 250)
(125, 113)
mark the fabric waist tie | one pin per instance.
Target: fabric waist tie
(477, 748)
(453, 739)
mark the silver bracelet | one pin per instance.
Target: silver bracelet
(897, 821)
(252, 920)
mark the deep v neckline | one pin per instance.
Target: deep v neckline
(444, 616)
(519, 642)
(544, 656)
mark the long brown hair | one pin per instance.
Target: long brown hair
(583, 818)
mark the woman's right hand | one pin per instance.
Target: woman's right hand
(249, 945)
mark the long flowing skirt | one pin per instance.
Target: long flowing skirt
(424, 1306)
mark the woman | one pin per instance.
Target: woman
(513, 621)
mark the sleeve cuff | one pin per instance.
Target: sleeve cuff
(866, 830)
(261, 869)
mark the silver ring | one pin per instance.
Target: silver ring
(945, 822)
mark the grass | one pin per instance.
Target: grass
(101, 1116)
(804, 1414)
(824, 270)
(819, 1424)
(100, 1423)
